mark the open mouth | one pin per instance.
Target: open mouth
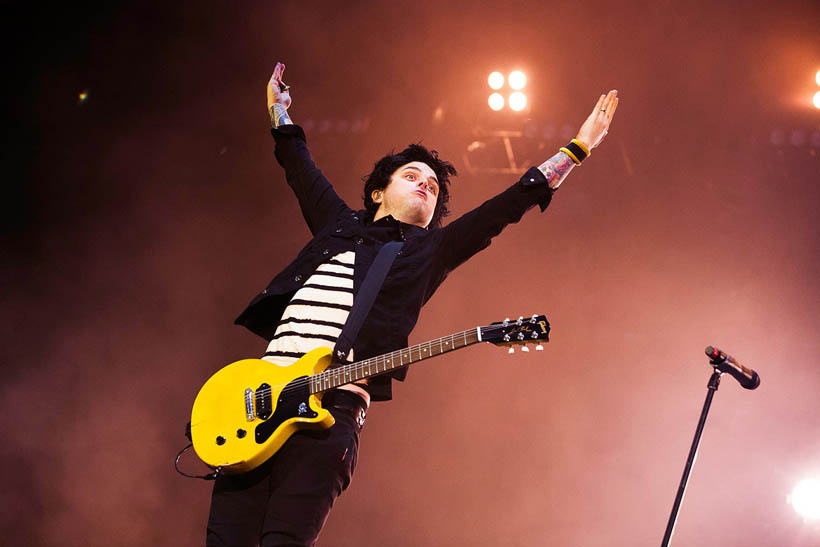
(421, 193)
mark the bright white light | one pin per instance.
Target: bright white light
(518, 101)
(496, 101)
(805, 498)
(816, 100)
(517, 79)
(496, 80)
(817, 77)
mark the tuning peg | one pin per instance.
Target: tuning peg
(539, 347)
(511, 350)
(506, 337)
(520, 320)
(506, 322)
(520, 336)
(534, 335)
(533, 318)
(524, 348)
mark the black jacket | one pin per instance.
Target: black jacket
(423, 263)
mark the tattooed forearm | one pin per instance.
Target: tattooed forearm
(279, 115)
(556, 169)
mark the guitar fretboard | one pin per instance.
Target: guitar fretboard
(380, 364)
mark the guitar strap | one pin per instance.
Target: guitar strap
(364, 299)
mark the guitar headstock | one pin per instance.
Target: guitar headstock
(535, 329)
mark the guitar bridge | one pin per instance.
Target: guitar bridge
(249, 413)
(258, 403)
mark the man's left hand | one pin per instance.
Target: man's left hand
(596, 126)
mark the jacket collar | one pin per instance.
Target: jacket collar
(395, 229)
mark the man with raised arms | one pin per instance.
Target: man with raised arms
(286, 500)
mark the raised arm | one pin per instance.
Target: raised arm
(318, 200)
(473, 231)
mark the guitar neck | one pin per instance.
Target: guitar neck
(345, 374)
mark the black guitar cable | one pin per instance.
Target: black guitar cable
(210, 476)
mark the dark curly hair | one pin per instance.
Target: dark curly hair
(379, 178)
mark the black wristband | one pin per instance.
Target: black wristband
(577, 151)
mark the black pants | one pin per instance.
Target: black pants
(286, 500)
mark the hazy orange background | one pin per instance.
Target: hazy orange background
(138, 224)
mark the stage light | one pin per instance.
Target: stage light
(805, 498)
(517, 79)
(816, 100)
(817, 77)
(496, 80)
(518, 101)
(496, 101)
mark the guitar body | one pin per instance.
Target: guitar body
(247, 410)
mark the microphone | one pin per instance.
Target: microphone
(726, 363)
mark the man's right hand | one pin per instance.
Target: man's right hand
(278, 97)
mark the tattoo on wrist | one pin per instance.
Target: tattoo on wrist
(279, 116)
(556, 169)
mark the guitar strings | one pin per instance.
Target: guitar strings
(350, 367)
(294, 388)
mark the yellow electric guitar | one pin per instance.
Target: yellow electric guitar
(247, 410)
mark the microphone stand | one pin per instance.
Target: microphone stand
(714, 382)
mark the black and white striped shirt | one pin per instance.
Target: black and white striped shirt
(317, 312)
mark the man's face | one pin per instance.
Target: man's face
(410, 196)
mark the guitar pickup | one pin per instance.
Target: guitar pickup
(263, 402)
